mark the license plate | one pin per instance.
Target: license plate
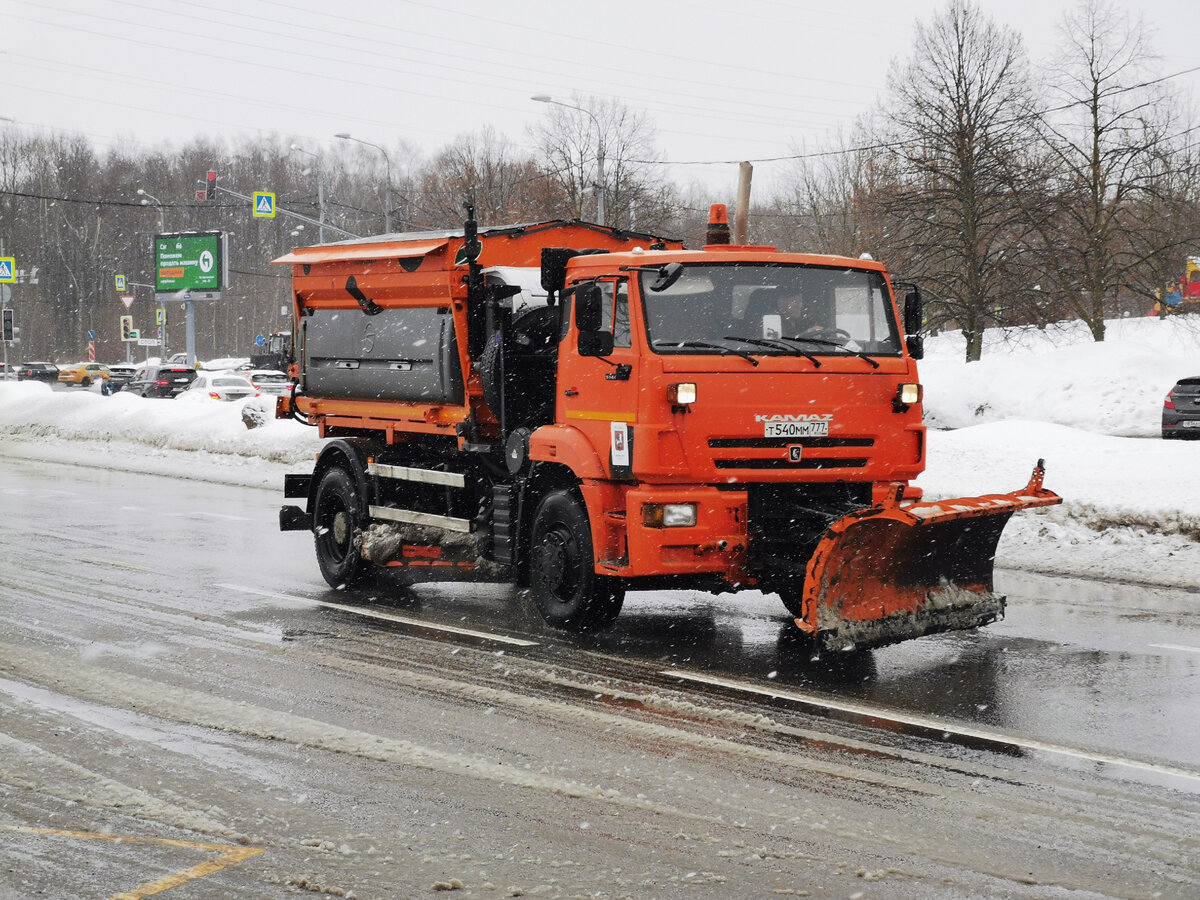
(1189, 424)
(795, 429)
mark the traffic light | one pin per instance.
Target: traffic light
(127, 328)
(9, 328)
(210, 187)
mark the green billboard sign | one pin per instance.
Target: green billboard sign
(191, 262)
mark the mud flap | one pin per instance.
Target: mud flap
(892, 572)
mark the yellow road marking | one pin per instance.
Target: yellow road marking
(229, 856)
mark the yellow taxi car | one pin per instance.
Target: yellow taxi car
(82, 374)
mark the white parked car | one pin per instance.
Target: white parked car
(270, 381)
(218, 386)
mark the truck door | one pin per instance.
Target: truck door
(598, 395)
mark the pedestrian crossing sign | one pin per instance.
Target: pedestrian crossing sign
(264, 204)
(8, 270)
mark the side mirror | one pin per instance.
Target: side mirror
(667, 276)
(914, 318)
(913, 312)
(595, 343)
(588, 302)
(554, 267)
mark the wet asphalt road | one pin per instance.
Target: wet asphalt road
(174, 674)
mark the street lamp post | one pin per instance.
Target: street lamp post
(320, 192)
(600, 182)
(387, 184)
(148, 198)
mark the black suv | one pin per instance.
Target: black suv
(37, 371)
(161, 381)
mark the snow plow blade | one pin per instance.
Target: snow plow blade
(891, 572)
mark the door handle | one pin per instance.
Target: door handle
(570, 392)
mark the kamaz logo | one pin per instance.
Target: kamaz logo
(788, 417)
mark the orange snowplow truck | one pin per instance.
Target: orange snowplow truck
(586, 411)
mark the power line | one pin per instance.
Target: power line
(1038, 116)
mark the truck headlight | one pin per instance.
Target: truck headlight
(908, 394)
(669, 515)
(683, 394)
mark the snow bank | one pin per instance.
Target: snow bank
(1061, 375)
(34, 410)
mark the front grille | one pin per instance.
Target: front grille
(758, 463)
(766, 443)
(812, 456)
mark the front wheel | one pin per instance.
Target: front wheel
(568, 592)
(337, 516)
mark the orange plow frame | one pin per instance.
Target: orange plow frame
(892, 572)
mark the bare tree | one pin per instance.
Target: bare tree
(1110, 132)
(831, 200)
(959, 117)
(506, 185)
(577, 136)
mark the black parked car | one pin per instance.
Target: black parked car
(37, 371)
(1181, 410)
(161, 381)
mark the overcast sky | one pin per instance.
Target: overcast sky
(721, 81)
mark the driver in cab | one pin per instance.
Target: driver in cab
(797, 319)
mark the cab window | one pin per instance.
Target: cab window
(614, 316)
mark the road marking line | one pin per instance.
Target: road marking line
(931, 724)
(1182, 647)
(388, 617)
(224, 517)
(229, 856)
(113, 563)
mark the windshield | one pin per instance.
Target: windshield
(771, 309)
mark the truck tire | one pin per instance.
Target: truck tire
(568, 592)
(336, 517)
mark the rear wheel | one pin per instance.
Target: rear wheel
(87, 382)
(568, 592)
(337, 531)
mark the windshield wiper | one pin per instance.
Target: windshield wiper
(825, 343)
(778, 345)
(725, 351)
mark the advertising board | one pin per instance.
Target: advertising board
(190, 263)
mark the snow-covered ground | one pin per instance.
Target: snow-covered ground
(1092, 411)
